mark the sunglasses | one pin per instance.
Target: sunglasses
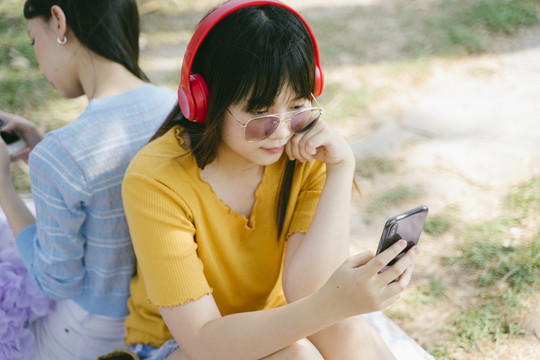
(261, 127)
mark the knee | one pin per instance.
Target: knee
(304, 350)
(300, 350)
(357, 333)
(355, 328)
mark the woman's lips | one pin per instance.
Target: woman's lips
(274, 150)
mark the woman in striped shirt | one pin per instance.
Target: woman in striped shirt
(77, 248)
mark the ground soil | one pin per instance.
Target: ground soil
(465, 132)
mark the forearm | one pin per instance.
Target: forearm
(329, 230)
(18, 215)
(254, 335)
(326, 244)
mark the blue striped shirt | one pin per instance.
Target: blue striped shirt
(80, 247)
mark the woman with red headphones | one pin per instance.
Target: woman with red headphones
(239, 208)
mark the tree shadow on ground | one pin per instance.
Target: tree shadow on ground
(361, 33)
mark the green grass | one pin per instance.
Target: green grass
(502, 15)
(526, 198)
(372, 165)
(392, 197)
(441, 223)
(504, 272)
(462, 36)
(431, 292)
(23, 88)
(24, 92)
(174, 6)
(490, 320)
(464, 26)
(516, 266)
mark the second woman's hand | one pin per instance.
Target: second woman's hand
(31, 134)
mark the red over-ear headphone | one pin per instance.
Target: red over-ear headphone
(193, 91)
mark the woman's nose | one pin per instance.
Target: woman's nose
(283, 130)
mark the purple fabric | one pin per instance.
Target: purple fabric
(6, 235)
(20, 304)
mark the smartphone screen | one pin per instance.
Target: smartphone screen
(407, 226)
(10, 137)
(14, 142)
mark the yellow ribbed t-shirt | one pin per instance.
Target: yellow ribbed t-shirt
(188, 243)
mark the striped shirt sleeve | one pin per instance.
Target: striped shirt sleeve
(58, 187)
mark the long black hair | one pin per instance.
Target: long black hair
(249, 56)
(110, 28)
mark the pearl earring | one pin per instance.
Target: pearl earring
(61, 42)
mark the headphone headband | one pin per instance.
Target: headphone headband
(193, 91)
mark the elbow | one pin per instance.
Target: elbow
(294, 290)
(298, 287)
(288, 287)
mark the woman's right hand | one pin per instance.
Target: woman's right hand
(358, 287)
(26, 129)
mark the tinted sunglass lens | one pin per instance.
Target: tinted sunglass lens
(304, 120)
(261, 128)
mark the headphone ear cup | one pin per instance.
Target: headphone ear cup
(319, 82)
(199, 91)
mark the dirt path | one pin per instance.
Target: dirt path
(468, 134)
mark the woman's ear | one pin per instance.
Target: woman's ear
(59, 21)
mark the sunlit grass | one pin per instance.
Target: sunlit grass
(392, 197)
(464, 24)
(525, 198)
(461, 27)
(371, 166)
(502, 15)
(23, 89)
(430, 292)
(441, 223)
(498, 272)
(504, 272)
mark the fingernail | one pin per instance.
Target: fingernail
(402, 244)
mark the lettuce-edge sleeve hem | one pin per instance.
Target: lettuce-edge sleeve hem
(171, 305)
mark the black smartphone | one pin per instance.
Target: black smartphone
(14, 142)
(407, 226)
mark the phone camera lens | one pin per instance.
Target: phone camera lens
(393, 230)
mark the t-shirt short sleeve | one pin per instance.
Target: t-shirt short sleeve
(163, 239)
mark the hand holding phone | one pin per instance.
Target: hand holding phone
(13, 141)
(407, 226)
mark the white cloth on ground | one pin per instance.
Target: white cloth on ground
(400, 343)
